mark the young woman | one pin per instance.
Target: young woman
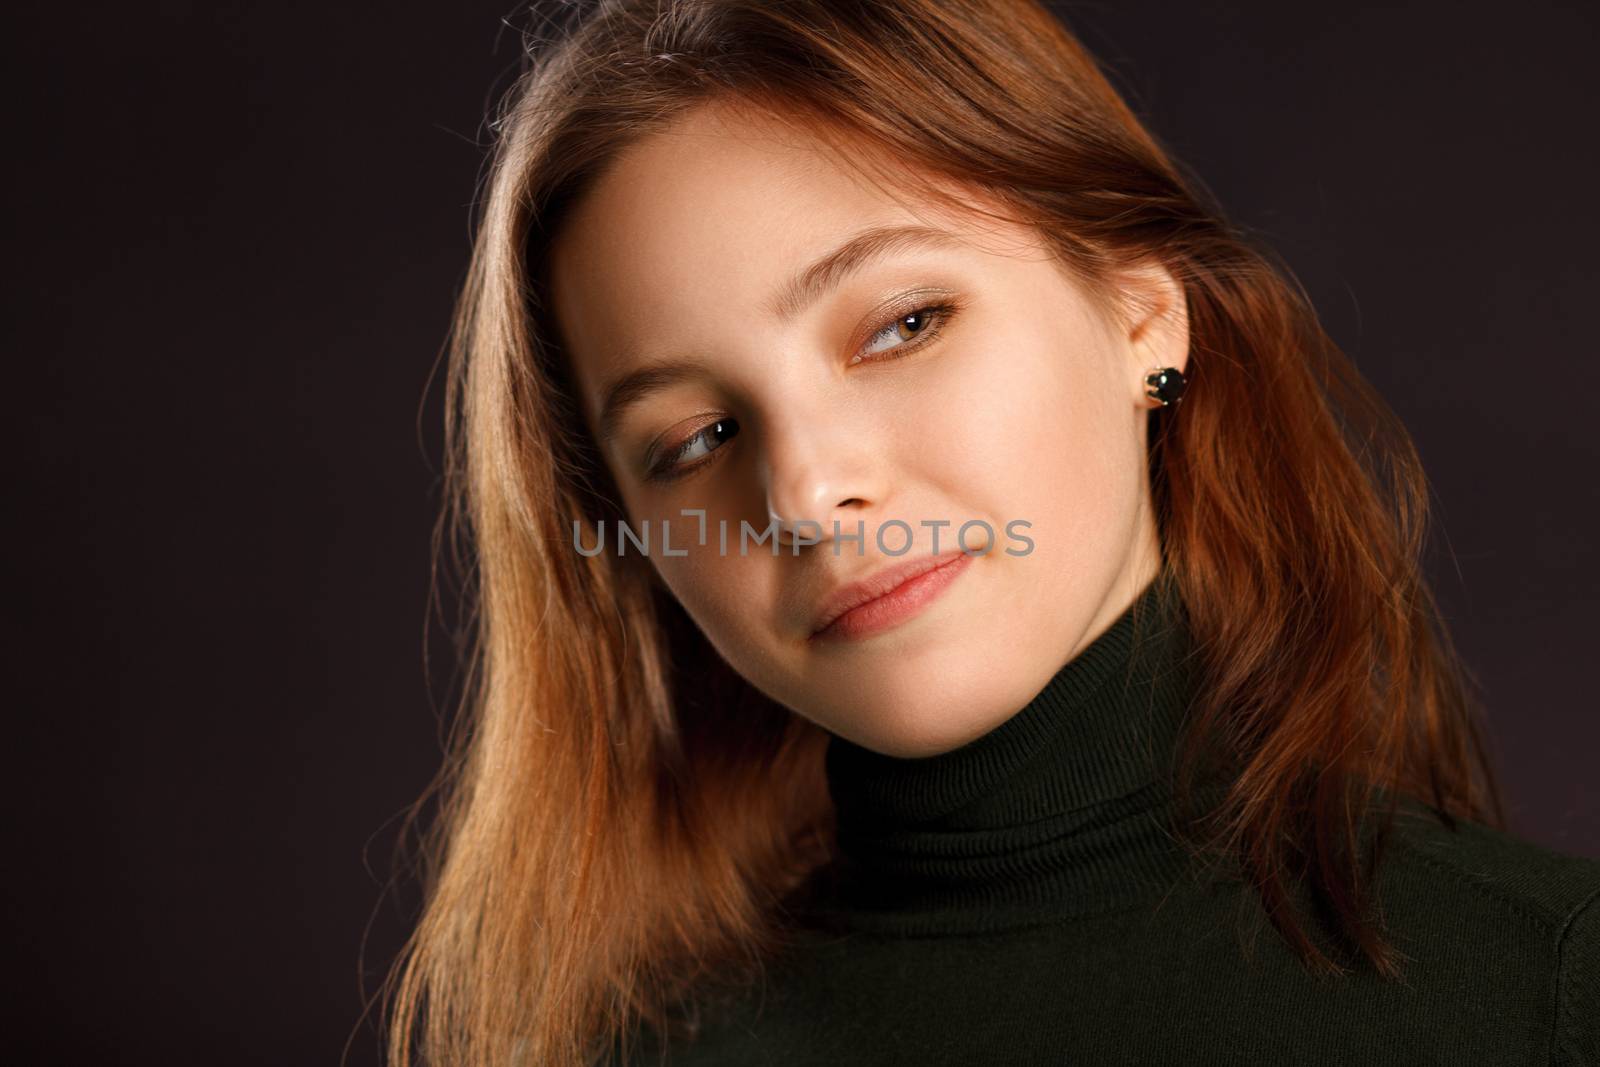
(942, 597)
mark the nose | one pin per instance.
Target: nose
(823, 474)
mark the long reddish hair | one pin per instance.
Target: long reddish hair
(621, 815)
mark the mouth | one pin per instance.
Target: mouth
(887, 598)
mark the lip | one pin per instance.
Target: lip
(886, 598)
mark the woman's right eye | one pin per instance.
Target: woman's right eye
(680, 459)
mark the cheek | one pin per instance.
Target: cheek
(1014, 415)
(729, 597)
(1030, 430)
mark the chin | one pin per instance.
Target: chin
(907, 712)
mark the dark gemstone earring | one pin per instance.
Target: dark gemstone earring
(1167, 383)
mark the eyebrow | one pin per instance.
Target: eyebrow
(806, 287)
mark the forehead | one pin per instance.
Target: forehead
(697, 226)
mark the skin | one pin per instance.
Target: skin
(1027, 403)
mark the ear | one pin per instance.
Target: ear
(1154, 322)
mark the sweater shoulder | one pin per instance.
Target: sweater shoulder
(1549, 888)
(1525, 904)
(1577, 1039)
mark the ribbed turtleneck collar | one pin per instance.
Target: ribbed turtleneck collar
(1057, 811)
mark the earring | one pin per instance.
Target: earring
(1167, 385)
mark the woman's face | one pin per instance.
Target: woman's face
(946, 371)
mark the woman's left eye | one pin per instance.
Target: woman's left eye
(905, 333)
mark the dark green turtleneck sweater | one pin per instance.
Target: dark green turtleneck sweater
(1019, 900)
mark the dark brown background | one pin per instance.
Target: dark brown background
(237, 233)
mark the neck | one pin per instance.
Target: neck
(1059, 810)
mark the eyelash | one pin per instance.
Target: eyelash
(662, 472)
(942, 311)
